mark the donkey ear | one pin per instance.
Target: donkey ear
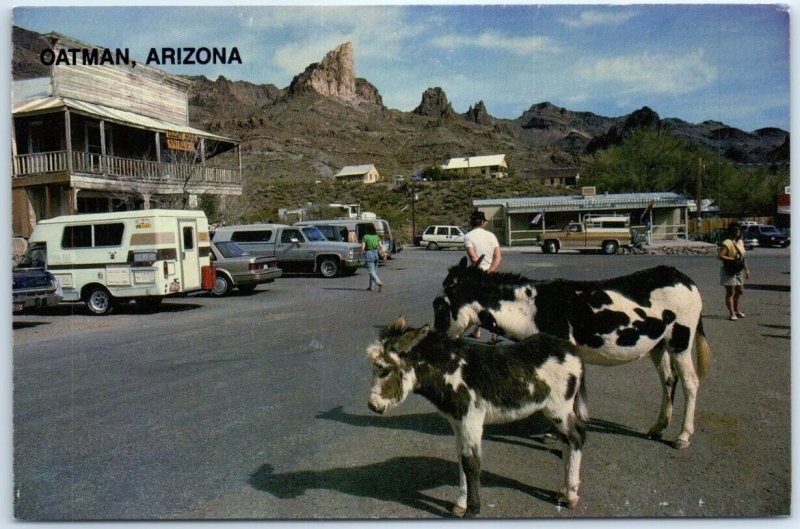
(399, 323)
(463, 263)
(420, 334)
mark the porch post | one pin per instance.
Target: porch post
(68, 133)
(72, 201)
(103, 165)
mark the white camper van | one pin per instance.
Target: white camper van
(105, 258)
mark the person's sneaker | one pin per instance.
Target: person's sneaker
(733, 317)
(740, 314)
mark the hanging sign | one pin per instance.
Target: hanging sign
(181, 141)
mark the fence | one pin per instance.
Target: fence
(123, 168)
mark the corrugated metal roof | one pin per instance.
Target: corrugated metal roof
(475, 161)
(46, 104)
(350, 170)
(579, 202)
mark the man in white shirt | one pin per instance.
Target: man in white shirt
(482, 246)
(483, 251)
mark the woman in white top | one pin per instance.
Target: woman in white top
(734, 270)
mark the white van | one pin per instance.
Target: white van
(105, 258)
(352, 230)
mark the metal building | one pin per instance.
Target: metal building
(516, 220)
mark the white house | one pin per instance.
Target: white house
(493, 165)
(365, 174)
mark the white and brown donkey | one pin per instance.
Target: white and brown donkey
(473, 384)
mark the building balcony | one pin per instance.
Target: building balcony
(124, 170)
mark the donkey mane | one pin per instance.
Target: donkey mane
(393, 330)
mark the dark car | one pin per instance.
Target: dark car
(235, 268)
(766, 235)
(35, 288)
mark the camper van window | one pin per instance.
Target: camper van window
(251, 236)
(81, 236)
(108, 234)
(188, 238)
(35, 257)
(77, 237)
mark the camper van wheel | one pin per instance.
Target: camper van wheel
(221, 285)
(99, 301)
(610, 247)
(329, 267)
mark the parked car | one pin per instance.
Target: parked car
(235, 268)
(435, 237)
(765, 235)
(352, 230)
(298, 248)
(34, 288)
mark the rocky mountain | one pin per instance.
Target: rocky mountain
(328, 118)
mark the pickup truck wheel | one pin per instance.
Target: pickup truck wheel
(99, 301)
(610, 247)
(433, 246)
(329, 267)
(221, 285)
(550, 247)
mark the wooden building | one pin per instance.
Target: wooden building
(364, 174)
(105, 137)
(489, 166)
(557, 177)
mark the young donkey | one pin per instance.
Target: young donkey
(473, 384)
(614, 321)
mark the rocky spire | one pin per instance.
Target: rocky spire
(478, 114)
(435, 105)
(335, 77)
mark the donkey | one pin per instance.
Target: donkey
(612, 322)
(473, 384)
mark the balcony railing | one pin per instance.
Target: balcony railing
(122, 168)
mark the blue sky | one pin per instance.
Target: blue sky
(697, 62)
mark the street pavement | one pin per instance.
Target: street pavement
(254, 407)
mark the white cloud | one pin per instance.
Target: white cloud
(589, 19)
(652, 73)
(492, 40)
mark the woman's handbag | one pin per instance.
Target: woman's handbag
(735, 266)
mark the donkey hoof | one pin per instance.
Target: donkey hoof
(654, 435)
(569, 503)
(680, 444)
(458, 511)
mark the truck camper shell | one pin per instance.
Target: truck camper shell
(106, 258)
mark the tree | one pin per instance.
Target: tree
(652, 160)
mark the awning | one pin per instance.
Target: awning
(49, 104)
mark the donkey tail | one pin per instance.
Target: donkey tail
(703, 350)
(581, 409)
